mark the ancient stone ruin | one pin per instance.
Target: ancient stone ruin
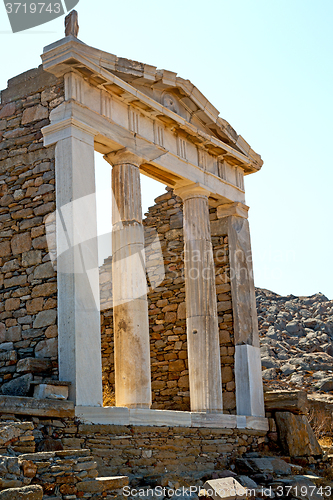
(168, 324)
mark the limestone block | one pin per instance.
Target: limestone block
(47, 348)
(29, 468)
(296, 436)
(293, 401)
(23, 493)
(34, 114)
(225, 488)
(21, 243)
(44, 271)
(5, 249)
(7, 433)
(6, 346)
(31, 258)
(113, 483)
(45, 318)
(33, 365)
(2, 332)
(18, 386)
(90, 486)
(13, 334)
(49, 391)
(8, 110)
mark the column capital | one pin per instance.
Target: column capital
(123, 156)
(194, 190)
(227, 209)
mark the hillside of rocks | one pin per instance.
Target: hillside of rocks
(296, 335)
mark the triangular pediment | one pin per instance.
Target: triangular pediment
(173, 95)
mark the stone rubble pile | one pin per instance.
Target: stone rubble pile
(296, 336)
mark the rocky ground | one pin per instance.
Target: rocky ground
(296, 335)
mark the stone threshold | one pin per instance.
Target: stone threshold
(114, 415)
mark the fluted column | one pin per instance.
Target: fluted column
(130, 306)
(201, 307)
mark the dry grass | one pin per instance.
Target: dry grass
(322, 424)
(326, 442)
(109, 398)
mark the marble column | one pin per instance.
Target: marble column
(129, 284)
(79, 330)
(248, 379)
(201, 307)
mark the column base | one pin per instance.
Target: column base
(248, 378)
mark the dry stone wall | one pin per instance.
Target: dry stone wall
(60, 473)
(28, 286)
(125, 450)
(164, 248)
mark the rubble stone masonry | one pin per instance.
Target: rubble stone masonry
(167, 311)
(28, 287)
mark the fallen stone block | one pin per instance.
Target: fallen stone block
(296, 436)
(224, 488)
(293, 401)
(301, 488)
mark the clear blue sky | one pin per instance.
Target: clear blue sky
(267, 66)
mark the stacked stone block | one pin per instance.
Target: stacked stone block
(120, 450)
(28, 287)
(164, 247)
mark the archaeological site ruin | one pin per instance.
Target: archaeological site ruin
(167, 327)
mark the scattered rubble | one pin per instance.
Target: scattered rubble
(296, 336)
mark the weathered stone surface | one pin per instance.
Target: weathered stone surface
(49, 391)
(29, 468)
(24, 493)
(113, 483)
(44, 271)
(34, 114)
(45, 318)
(21, 243)
(31, 258)
(18, 386)
(303, 488)
(47, 348)
(13, 334)
(8, 433)
(8, 110)
(33, 365)
(296, 436)
(4, 248)
(90, 486)
(293, 401)
(37, 407)
(224, 488)
(44, 290)
(2, 332)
